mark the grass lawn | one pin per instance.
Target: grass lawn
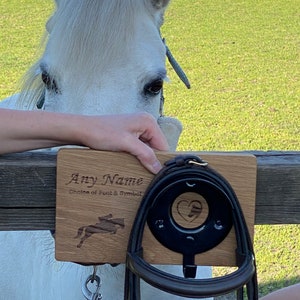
(242, 58)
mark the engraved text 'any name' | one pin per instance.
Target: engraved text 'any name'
(107, 179)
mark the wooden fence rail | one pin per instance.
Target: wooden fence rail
(28, 189)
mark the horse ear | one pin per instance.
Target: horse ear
(159, 8)
(159, 4)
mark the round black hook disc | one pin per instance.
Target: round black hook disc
(186, 240)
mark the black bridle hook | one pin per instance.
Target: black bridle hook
(224, 212)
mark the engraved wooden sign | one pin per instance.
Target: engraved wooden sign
(98, 194)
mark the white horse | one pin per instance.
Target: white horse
(101, 57)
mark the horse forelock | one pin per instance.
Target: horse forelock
(92, 34)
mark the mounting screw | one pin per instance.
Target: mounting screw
(218, 225)
(159, 224)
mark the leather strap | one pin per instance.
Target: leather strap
(212, 186)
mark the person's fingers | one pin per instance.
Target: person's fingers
(137, 134)
(151, 134)
(156, 141)
(144, 153)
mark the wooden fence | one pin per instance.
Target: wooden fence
(28, 189)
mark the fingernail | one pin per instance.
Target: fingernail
(156, 167)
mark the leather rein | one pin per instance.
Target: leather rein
(180, 175)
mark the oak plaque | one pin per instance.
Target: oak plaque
(98, 194)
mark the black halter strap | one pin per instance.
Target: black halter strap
(179, 71)
(180, 175)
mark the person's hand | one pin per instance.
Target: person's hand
(137, 134)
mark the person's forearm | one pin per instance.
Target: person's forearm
(26, 130)
(137, 134)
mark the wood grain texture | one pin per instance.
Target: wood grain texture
(98, 194)
(28, 180)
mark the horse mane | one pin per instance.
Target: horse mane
(81, 29)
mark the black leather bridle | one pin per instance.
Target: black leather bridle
(181, 175)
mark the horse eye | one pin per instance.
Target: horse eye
(49, 82)
(154, 87)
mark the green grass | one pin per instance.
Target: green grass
(22, 25)
(242, 58)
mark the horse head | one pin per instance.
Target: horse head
(104, 57)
